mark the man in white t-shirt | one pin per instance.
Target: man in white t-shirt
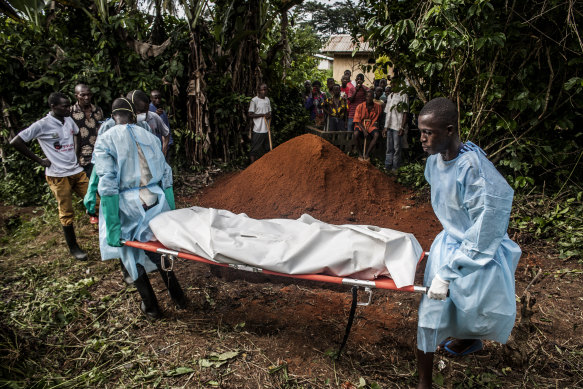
(396, 110)
(260, 112)
(55, 134)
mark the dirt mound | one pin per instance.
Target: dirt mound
(310, 175)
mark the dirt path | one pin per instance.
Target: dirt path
(76, 324)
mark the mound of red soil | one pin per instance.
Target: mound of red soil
(310, 175)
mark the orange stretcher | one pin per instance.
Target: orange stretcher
(367, 285)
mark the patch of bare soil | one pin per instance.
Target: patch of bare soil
(12, 217)
(300, 322)
(283, 332)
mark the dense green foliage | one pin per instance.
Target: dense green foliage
(100, 47)
(514, 69)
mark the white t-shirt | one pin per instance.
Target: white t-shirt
(159, 128)
(394, 118)
(260, 106)
(56, 141)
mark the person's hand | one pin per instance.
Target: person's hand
(401, 131)
(45, 162)
(159, 111)
(438, 289)
(384, 133)
(268, 115)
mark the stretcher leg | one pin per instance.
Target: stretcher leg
(350, 320)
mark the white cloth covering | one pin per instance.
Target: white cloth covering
(302, 246)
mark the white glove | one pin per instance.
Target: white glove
(438, 289)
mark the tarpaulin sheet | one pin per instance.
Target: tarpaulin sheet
(302, 246)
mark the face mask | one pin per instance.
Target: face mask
(142, 117)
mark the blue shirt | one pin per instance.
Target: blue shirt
(164, 118)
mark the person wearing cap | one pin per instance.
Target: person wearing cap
(135, 185)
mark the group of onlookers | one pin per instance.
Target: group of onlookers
(366, 112)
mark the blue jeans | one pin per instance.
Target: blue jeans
(393, 157)
(350, 126)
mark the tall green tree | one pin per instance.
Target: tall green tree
(513, 67)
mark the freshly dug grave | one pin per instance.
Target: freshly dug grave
(310, 175)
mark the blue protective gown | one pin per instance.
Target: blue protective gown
(472, 201)
(118, 167)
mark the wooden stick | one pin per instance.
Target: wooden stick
(267, 123)
(364, 150)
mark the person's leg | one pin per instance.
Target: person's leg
(88, 169)
(425, 369)
(350, 126)
(170, 280)
(356, 134)
(79, 184)
(255, 145)
(390, 150)
(61, 188)
(149, 305)
(170, 154)
(397, 148)
(373, 142)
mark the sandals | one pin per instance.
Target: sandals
(475, 346)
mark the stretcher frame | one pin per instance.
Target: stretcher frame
(356, 284)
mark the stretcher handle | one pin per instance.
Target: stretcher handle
(424, 289)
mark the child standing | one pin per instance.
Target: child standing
(260, 112)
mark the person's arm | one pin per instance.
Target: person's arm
(165, 141)
(357, 118)
(352, 96)
(22, 148)
(106, 169)
(90, 199)
(166, 185)
(326, 107)
(405, 108)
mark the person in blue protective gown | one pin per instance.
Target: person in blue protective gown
(90, 200)
(471, 264)
(135, 185)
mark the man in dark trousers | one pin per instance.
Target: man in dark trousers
(88, 118)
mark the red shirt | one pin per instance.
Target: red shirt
(366, 120)
(359, 97)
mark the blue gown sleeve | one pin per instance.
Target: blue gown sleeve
(106, 167)
(487, 199)
(167, 177)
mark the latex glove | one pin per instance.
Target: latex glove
(90, 199)
(169, 192)
(110, 210)
(438, 289)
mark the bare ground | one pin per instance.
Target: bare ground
(72, 324)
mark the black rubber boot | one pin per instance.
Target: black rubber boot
(174, 290)
(74, 249)
(126, 276)
(149, 305)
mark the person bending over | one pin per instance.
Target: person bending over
(135, 185)
(473, 258)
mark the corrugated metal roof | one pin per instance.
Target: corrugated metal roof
(344, 44)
